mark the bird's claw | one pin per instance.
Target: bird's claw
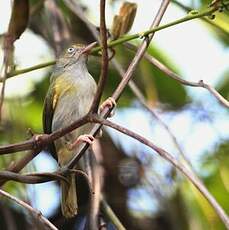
(110, 103)
(87, 138)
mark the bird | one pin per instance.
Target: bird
(69, 97)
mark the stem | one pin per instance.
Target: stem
(104, 66)
(35, 212)
(124, 39)
(29, 69)
(111, 215)
(209, 21)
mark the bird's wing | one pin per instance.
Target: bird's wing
(48, 112)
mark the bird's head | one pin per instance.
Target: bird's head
(76, 54)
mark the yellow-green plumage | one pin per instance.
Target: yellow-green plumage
(69, 97)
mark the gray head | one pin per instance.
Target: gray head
(74, 55)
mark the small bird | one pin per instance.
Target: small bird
(69, 98)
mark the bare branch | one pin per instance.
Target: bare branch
(19, 165)
(38, 178)
(32, 178)
(137, 92)
(104, 66)
(178, 78)
(111, 215)
(33, 211)
(178, 165)
(140, 52)
(38, 142)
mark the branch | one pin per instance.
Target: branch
(29, 69)
(38, 178)
(137, 92)
(168, 157)
(19, 165)
(33, 211)
(17, 25)
(117, 93)
(104, 66)
(126, 38)
(32, 178)
(38, 142)
(111, 215)
(209, 21)
(178, 78)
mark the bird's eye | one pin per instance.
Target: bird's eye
(70, 50)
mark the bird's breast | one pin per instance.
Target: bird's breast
(72, 101)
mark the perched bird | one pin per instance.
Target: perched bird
(69, 98)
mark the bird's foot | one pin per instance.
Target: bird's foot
(87, 138)
(110, 103)
(40, 137)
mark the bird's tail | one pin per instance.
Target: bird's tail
(69, 197)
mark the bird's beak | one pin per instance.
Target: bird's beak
(88, 48)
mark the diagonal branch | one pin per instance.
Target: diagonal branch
(111, 215)
(139, 95)
(46, 223)
(117, 93)
(178, 78)
(178, 165)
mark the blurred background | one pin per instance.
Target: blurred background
(144, 191)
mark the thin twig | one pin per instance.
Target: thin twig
(209, 21)
(111, 215)
(35, 212)
(32, 178)
(30, 69)
(137, 92)
(8, 52)
(168, 157)
(104, 66)
(17, 25)
(178, 78)
(94, 172)
(19, 165)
